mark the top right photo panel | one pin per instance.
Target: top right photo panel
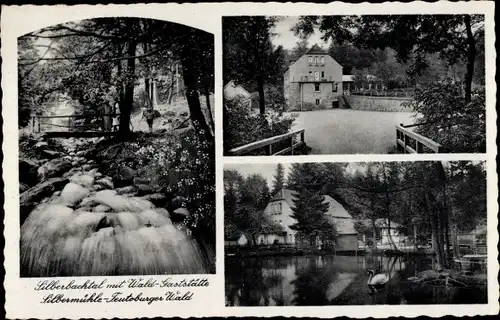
(369, 84)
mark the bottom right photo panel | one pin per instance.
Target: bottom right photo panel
(355, 233)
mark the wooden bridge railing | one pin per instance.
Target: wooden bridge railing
(412, 142)
(36, 122)
(268, 144)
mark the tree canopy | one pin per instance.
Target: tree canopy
(249, 54)
(413, 37)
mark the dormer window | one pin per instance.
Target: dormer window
(310, 59)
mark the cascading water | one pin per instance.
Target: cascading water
(134, 239)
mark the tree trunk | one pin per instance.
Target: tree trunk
(126, 106)
(471, 57)
(374, 235)
(262, 99)
(207, 99)
(388, 209)
(191, 85)
(146, 77)
(171, 88)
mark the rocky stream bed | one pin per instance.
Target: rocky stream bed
(79, 216)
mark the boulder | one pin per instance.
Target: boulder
(53, 168)
(141, 180)
(51, 154)
(88, 167)
(106, 183)
(97, 187)
(41, 144)
(178, 202)
(32, 196)
(180, 214)
(72, 172)
(143, 189)
(184, 114)
(28, 172)
(84, 180)
(124, 176)
(73, 193)
(158, 199)
(127, 189)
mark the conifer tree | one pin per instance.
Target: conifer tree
(279, 178)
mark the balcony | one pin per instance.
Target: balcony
(312, 79)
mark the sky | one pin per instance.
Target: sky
(267, 170)
(286, 38)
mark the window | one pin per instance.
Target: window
(316, 76)
(310, 59)
(279, 207)
(322, 74)
(323, 61)
(317, 102)
(334, 87)
(316, 87)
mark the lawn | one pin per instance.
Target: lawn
(350, 131)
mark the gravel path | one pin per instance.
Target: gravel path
(350, 131)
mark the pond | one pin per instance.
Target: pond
(335, 280)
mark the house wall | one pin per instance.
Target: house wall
(367, 103)
(347, 242)
(301, 68)
(232, 91)
(243, 241)
(284, 218)
(270, 239)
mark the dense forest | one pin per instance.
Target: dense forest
(99, 62)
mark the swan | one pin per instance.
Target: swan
(376, 281)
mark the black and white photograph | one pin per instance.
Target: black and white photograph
(116, 149)
(354, 84)
(357, 233)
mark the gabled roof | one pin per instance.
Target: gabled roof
(236, 235)
(316, 50)
(347, 78)
(339, 215)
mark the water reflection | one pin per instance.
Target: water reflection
(333, 280)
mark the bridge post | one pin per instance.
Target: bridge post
(270, 150)
(38, 122)
(291, 146)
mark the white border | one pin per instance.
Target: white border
(21, 302)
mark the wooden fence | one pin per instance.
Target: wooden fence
(411, 142)
(72, 124)
(395, 94)
(269, 142)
